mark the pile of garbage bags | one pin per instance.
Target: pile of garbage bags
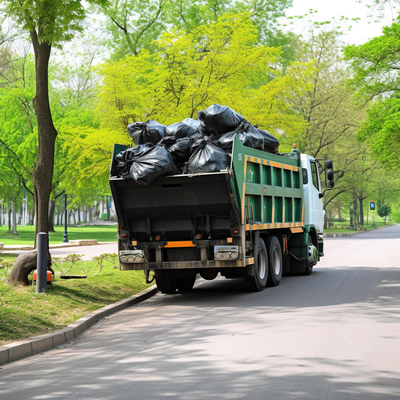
(189, 147)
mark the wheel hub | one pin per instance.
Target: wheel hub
(312, 254)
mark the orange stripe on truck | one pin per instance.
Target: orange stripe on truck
(185, 243)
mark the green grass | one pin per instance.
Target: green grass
(344, 227)
(26, 234)
(25, 314)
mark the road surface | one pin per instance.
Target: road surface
(332, 335)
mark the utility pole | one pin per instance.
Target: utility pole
(65, 239)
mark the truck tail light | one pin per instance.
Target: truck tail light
(226, 253)
(131, 256)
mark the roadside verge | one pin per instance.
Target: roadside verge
(18, 350)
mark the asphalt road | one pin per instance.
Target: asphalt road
(332, 335)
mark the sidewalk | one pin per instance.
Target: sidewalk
(71, 243)
(26, 348)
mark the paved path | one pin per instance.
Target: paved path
(88, 251)
(334, 335)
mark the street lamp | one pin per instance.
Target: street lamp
(65, 239)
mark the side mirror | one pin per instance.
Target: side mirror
(329, 174)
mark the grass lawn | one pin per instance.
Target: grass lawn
(25, 313)
(344, 227)
(26, 234)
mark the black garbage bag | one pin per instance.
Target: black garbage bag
(217, 120)
(246, 133)
(153, 164)
(207, 157)
(136, 131)
(182, 148)
(194, 123)
(180, 130)
(271, 143)
(155, 132)
(167, 141)
(146, 132)
(125, 159)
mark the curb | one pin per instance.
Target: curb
(333, 235)
(18, 350)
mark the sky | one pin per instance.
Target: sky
(360, 32)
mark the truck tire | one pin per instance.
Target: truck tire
(258, 281)
(185, 284)
(275, 261)
(312, 256)
(166, 282)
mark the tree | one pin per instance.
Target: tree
(134, 25)
(384, 211)
(49, 24)
(376, 81)
(220, 62)
(330, 117)
(17, 136)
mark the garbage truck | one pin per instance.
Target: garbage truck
(257, 220)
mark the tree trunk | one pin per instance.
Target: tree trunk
(14, 219)
(43, 172)
(361, 214)
(24, 264)
(32, 216)
(108, 208)
(74, 216)
(85, 215)
(9, 218)
(90, 214)
(52, 207)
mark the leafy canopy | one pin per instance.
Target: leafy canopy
(55, 21)
(376, 80)
(216, 63)
(135, 24)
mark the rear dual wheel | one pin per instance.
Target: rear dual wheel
(257, 281)
(167, 282)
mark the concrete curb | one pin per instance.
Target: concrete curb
(18, 350)
(333, 235)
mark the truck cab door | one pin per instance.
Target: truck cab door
(314, 213)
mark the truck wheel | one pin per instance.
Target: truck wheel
(185, 284)
(166, 282)
(258, 280)
(275, 261)
(312, 257)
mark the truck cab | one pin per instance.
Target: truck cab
(314, 212)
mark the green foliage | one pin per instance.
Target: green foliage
(376, 79)
(18, 137)
(55, 21)
(384, 211)
(134, 24)
(395, 212)
(218, 63)
(64, 265)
